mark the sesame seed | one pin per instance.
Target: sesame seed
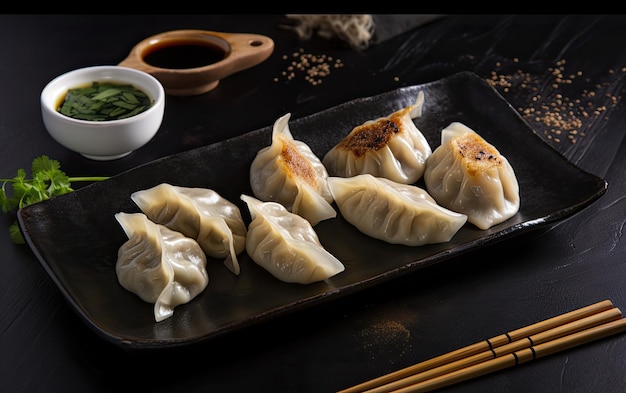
(556, 114)
(313, 68)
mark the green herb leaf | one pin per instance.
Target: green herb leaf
(16, 234)
(47, 181)
(104, 101)
(103, 95)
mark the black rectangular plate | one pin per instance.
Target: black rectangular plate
(76, 237)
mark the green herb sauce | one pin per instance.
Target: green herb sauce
(104, 102)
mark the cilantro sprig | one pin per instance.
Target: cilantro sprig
(47, 180)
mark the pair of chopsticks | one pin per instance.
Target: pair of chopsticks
(543, 338)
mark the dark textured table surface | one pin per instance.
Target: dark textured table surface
(564, 74)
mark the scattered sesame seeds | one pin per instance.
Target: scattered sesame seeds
(314, 67)
(561, 118)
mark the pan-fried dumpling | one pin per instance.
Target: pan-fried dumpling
(159, 265)
(288, 172)
(393, 212)
(285, 244)
(470, 176)
(199, 213)
(391, 147)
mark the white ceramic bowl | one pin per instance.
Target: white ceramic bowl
(103, 140)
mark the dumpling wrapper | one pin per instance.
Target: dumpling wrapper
(394, 212)
(391, 147)
(469, 175)
(159, 265)
(199, 213)
(288, 172)
(286, 245)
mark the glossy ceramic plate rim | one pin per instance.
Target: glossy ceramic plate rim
(34, 227)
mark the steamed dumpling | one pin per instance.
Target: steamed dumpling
(285, 244)
(159, 265)
(394, 212)
(199, 213)
(470, 176)
(391, 147)
(288, 172)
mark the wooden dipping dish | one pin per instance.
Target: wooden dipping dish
(192, 62)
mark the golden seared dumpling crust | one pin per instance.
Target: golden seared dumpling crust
(288, 172)
(372, 136)
(391, 147)
(468, 175)
(477, 155)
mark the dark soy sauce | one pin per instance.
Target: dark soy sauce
(184, 55)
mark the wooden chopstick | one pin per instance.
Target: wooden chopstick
(519, 357)
(484, 346)
(609, 315)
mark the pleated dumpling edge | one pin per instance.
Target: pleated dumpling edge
(159, 265)
(469, 175)
(288, 172)
(286, 245)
